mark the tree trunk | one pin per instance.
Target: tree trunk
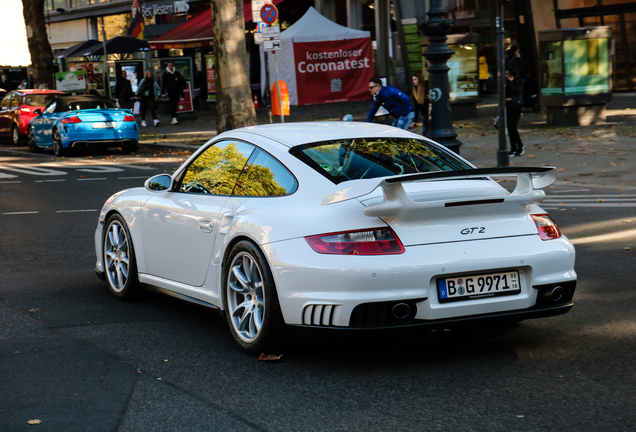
(234, 103)
(39, 47)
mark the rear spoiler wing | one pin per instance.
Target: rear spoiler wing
(396, 199)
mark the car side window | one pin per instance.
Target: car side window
(50, 108)
(15, 101)
(5, 103)
(216, 170)
(264, 176)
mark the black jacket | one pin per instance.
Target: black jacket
(172, 83)
(123, 89)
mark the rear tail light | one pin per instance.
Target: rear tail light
(547, 228)
(375, 241)
(25, 110)
(129, 118)
(71, 120)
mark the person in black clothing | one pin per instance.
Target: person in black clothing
(123, 90)
(148, 92)
(172, 85)
(514, 101)
(420, 94)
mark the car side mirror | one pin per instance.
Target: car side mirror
(37, 111)
(159, 182)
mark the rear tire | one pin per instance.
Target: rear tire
(132, 148)
(252, 310)
(120, 265)
(58, 148)
(33, 147)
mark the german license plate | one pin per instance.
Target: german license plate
(103, 125)
(471, 287)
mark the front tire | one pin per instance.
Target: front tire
(120, 265)
(58, 148)
(15, 135)
(252, 310)
(33, 147)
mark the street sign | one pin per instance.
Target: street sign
(271, 45)
(256, 10)
(269, 13)
(261, 25)
(270, 32)
(258, 38)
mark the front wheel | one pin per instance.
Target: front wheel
(33, 147)
(15, 135)
(58, 148)
(120, 265)
(251, 305)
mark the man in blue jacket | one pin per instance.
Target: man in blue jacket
(395, 102)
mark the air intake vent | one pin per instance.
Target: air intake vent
(319, 315)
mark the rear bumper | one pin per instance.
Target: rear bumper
(538, 311)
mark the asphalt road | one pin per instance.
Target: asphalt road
(76, 359)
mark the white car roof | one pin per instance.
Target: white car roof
(293, 134)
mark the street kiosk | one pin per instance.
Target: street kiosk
(574, 74)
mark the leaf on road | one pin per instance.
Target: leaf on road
(626, 248)
(33, 422)
(34, 310)
(269, 357)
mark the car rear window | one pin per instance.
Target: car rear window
(38, 99)
(363, 158)
(84, 105)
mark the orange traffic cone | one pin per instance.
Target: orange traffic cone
(256, 102)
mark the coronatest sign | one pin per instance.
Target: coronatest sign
(333, 71)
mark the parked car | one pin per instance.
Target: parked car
(338, 225)
(69, 122)
(18, 108)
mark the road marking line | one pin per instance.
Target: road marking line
(129, 178)
(88, 179)
(20, 213)
(622, 235)
(48, 181)
(76, 211)
(11, 181)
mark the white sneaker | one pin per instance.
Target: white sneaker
(156, 122)
(174, 121)
(143, 123)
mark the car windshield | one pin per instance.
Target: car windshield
(363, 158)
(85, 105)
(38, 99)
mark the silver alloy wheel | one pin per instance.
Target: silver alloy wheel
(246, 296)
(58, 148)
(15, 135)
(116, 256)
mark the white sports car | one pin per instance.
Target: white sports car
(338, 225)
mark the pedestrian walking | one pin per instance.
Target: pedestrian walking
(514, 102)
(123, 90)
(172, 86)
(148, 92)
(394, 101)
(420, 95)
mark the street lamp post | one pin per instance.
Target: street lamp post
(437, 53)
(502, 152)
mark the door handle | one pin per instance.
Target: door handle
(206, 225)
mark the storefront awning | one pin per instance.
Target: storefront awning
(195, 33)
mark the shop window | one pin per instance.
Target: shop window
(575, 4)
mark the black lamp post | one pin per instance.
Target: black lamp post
(437, 53)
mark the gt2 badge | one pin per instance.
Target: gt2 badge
(475, 230)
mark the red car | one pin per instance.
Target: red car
(17, 110)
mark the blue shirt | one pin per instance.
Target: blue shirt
(396, 102)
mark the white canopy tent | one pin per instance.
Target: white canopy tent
(312, 27)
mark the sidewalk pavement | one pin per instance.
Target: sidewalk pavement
(599, 156)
